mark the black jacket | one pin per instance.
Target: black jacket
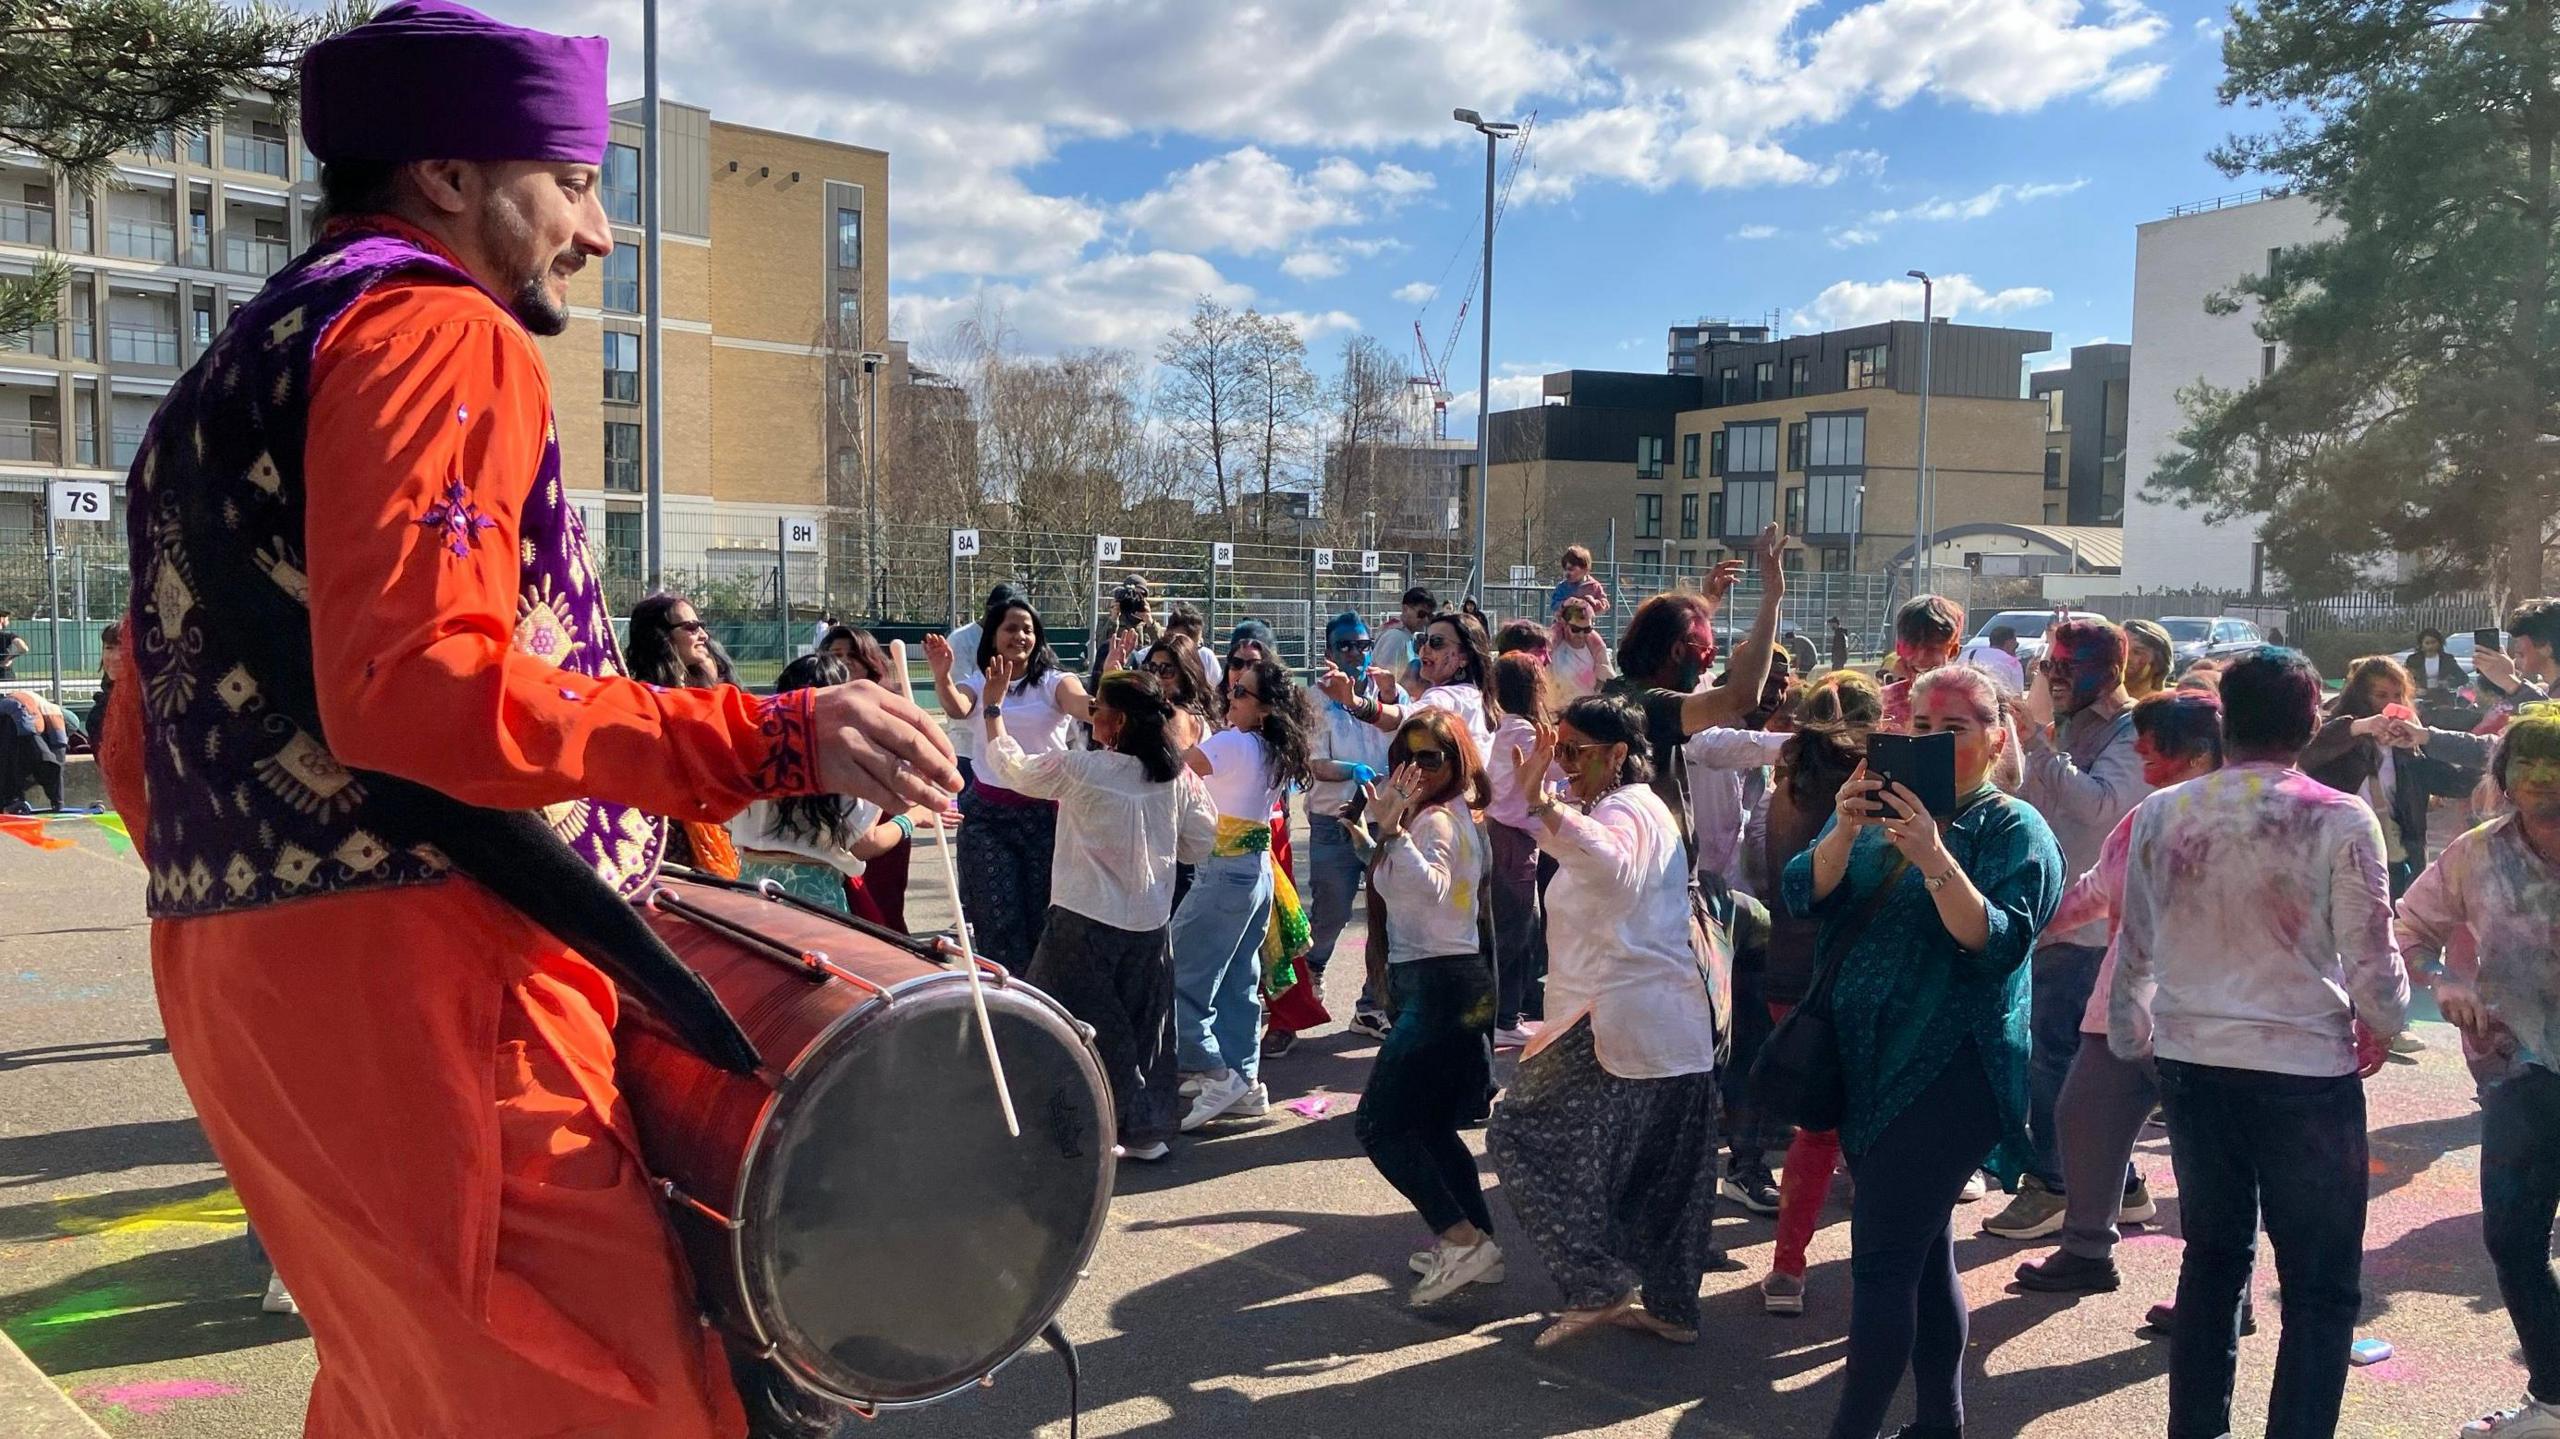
(2449, 765)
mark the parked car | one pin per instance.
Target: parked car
(2195, 637)
(2030, 627)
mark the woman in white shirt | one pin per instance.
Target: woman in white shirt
(1127, 809)
(1432, 1073)
(1577, 658)
(812, 844)
(1457, 668)
(1606, 1139)
(1005, 848)
(1219, 928)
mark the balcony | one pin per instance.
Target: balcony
(128, 443)
(84, 338)
(143, 240)
(30, 442)
(40, 341)
(255, 153)
(142, 345)
(26, 224)
(253, 254)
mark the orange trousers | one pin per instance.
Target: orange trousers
(413, 1091)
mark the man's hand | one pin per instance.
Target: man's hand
(1721, 580)
(1335, 684)
(2035, 701)
(1771, 551)
(874, 745)
(2460, 1005)
(2496, 667)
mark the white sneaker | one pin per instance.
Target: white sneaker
(1189, 1084)
(277, 1301)
(1454, 1267)
(1513, 1037)
(2530, 1419)
(1975, 1188)
(1255, 1104)
(1147, 1153)
(1218, 1094)
(1420, 1263)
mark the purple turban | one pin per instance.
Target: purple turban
(432, 80)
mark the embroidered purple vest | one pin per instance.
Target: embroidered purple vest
(247, 806)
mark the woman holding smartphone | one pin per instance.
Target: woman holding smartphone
(1931, 919)
(1432, 1073)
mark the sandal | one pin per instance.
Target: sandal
(1654, 1324)
(1576, 1322)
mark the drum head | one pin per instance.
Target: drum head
(899, 1243)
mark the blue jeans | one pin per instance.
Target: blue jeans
(2289, 1148)
(1217, 964)
(2063, 976)
(1333, 882)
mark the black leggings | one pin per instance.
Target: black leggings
(1906, 1305)
(1429, 1080)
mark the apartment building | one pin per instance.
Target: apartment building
(1819, 432)
(775, 276)
(2084, 434)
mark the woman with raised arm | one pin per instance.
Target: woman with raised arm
(812, 845)
(1457, 676)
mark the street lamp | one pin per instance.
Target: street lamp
(1494, 131)
(1920, 496)
(872, 360)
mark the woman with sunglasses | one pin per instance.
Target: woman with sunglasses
(1175, 663)
(1457, 666)
(1220, 928)
(1606, 1139)
(1577, 658)
(1005, 849)
(667, 644)
(1432, 1073)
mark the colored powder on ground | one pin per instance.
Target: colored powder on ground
(220, 1208)
(153, 1396)
(1313, 1106)
(83, 1308)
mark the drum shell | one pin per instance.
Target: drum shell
(715, 1137)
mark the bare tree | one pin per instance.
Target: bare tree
(1368, 423)
(1204, 399)
(1281, 399)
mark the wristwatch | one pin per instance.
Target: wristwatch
(993, 711)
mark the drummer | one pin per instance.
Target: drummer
(371, 568)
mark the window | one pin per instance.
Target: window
(1648, 517)
(1748, 505)
(1751, 449)
(1688, 562)
(622, 279)
(1795, 446)
(1831, 505)
(622, 541)
(622, 183)
(1648, 457)
(621, 458)
(1715, 515)
(1688, 517)
(1795, 509)
(1799, 375)
(1689, 455)
(2053, 409)
(1763, 379)
(849, 318)
(848, 239)
(1728, 380)
(1715, 453)
(2053, 467)
(2052, 513)
(622, 366)
(1648, 568)
(1837, 442)
(1835, 560)
(2266, 361)
(1866, 366)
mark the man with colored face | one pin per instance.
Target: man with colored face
(1349, 752)
(1926, 632)
(1663, 658)
(2083, 774)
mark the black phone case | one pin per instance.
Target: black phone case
(1925, 764)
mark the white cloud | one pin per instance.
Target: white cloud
(1420, 292)
(1247, 201)
(1312, 265)
(1515, 387)
(1849, 303)
(2131, 85)
(1851, 238)
(1978, 205)
(1128, 301)
(1756, 232)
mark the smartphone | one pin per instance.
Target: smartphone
(2484, 639)
(1925, 764)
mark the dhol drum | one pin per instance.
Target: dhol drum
(857, 1217)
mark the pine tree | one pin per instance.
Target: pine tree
(83, 79)
(2417, 399)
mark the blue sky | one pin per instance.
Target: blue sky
(1084, 168)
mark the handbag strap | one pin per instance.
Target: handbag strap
(1849, 934)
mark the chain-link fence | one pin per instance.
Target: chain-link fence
(73, 597)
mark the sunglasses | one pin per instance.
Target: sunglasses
(1244, 692)
(1575, 753)
(1430, 759)
(1163, 669)
(690, 627)
(1581, 629)
(1361, 645)
(1438, 642)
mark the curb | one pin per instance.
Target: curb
(34, 1407)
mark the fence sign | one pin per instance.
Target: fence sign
(1106, 548)
(964, 544)
(1524, 574)
(1368, 562)
(1223, 555)
(1324, 561)
(800, 536)
(82, 499)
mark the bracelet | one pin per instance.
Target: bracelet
(906, 826)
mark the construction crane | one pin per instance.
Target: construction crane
(1432, 384)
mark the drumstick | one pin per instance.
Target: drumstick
(968, 952)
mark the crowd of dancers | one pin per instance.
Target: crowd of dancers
(2192, 894)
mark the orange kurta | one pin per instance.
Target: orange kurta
(413, 1088)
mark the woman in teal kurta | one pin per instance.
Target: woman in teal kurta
(1930, 1005)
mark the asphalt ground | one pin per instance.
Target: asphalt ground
(1251, 1287)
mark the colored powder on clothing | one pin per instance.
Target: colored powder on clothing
(152, 1396)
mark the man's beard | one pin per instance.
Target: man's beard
(536, 310)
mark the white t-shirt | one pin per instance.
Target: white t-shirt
(758, 828)
(1239, 778)
(1618, 938)
(1031, 714)
(1119, 833)
(1463, 700)
(1428, 877)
